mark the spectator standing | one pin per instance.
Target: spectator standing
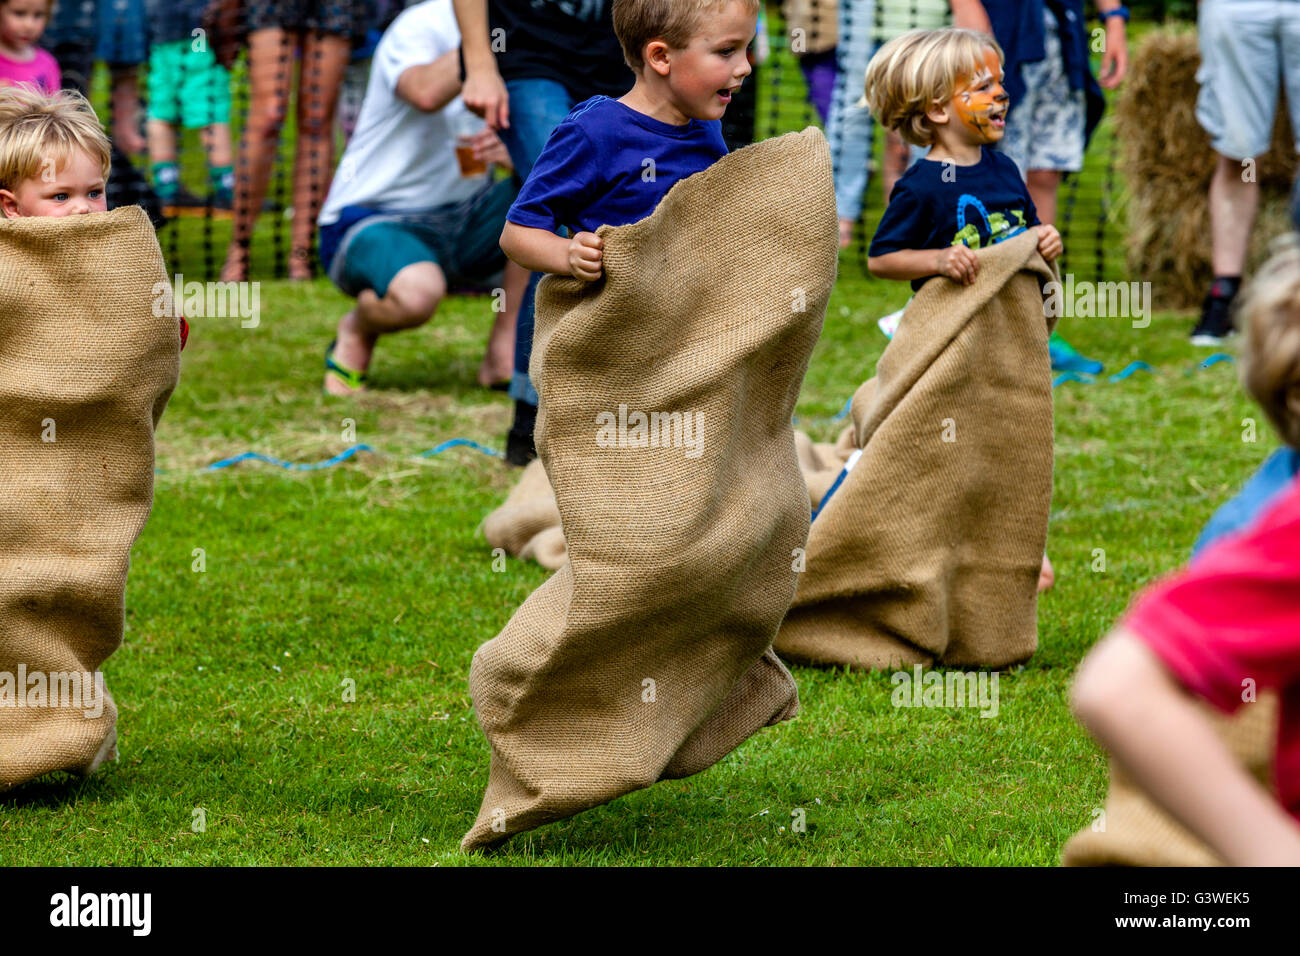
(188, 89)
(323, 33)
(21, 61)
(1248, 49)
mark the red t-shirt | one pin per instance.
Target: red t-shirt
(1233, 615)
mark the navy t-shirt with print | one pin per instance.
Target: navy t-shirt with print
(976, 205)
(608, 164)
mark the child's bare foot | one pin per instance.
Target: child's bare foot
(846, 233)
(350, 355)
(236, 266)
(1046, 576)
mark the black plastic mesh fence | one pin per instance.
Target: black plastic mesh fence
(234, 165)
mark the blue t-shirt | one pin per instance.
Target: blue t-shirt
(608, 164)
(936, 204)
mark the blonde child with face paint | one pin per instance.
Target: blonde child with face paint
(943, 89)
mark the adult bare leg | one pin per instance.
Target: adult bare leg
(1233, 204)
(410, 301)
(1043, 185)
(324, 61)
(270, 73)
(499, 362)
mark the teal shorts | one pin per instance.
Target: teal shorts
(187, 87)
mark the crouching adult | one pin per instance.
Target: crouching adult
(403, 223)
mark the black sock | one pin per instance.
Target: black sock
(1225, 287)
(525, 418)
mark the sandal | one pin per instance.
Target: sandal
(354, 380)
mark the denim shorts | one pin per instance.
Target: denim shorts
(463, 239)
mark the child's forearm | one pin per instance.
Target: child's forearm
(536, 249)
(904, 264)
(1128, 701)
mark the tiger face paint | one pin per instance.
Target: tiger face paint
(981, 103)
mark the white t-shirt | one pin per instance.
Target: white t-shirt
(400, 158)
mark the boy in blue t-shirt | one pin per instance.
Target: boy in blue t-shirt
(943, 89)
(611, 161)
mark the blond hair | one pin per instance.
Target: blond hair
(637, 22)
(38, 133)
(914, 71)
(1269, 314)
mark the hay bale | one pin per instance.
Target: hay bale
(1167, 162)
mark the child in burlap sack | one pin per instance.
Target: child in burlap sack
(1224, 630)
(54, 157)
(54, 163)
(943, 89)
(611, 161)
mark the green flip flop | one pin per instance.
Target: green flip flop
(350, 377)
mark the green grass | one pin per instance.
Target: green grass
(229, 681)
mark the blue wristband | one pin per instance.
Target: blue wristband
(1120, 11)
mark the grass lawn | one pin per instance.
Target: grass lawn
(231, 680)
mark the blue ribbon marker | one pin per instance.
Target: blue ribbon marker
(1216, 358)
(457, 442)
(1072, 377)
(289, 465)
(1130, 369)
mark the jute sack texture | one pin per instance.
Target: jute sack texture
(527, 524)
(929, 551)
(86, 369)
(647, 654)
(1135, 832)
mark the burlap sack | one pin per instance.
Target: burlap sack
(647, 654)
(527, 525)
(1134, 832)
(821, 462)
(930, 549)
(86, 369)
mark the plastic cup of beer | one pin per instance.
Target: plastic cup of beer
(466, 126)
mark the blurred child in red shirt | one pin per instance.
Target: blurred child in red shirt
(1222, 630)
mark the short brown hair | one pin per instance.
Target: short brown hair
(912, 72)
(637, 22)
(1269, 314)
(37, 130)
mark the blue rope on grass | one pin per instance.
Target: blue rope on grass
(289, 465)
(1072, 377)
(345, 455)
(1134, 367)
(1130, 369)
(459, 442)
